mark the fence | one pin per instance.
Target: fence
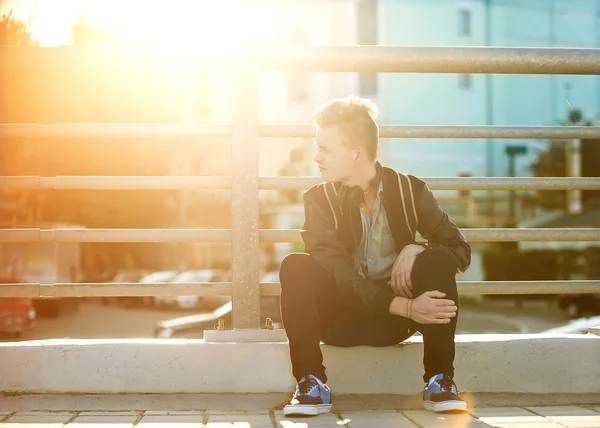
(245, 182)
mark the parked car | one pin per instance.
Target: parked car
(192, 327)
(576, 305)
(578, 326)
(17, 314)
(126, 275)
(154, 277)
(191, 302)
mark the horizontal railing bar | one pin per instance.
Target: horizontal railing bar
(529, 287)
(98, 130)
(272, 235)
(456, 183)
(437, 131)
(116, 182)
(432, 59)
(475, 235)
(366, 58)
(496, 287)
(135, 289)
(270, 288)
(30, 289)
(86, 130)
(281, 183)
(114, 235)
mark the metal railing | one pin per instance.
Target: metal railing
(245, 182)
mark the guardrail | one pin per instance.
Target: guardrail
(245, 182)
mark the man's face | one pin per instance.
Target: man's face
(335, 160)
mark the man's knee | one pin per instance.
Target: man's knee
(295, 264)
(439, 258)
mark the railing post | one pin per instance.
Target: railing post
(244, 193)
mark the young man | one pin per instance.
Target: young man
(363, 279)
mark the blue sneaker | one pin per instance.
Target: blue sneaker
(441, 395)
(311, 398)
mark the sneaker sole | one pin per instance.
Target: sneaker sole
(446, 406)
(306, 409)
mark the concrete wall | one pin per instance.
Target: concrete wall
(484, 363)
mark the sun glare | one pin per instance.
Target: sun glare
(172, 26)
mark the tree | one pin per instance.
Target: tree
(552, 163)
(14, 31)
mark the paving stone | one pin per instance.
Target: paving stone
(376, 419)
(39, 417)
(323, 420)
(172, 413)
(429, 419)
(112, 419)
(94, 414)
(8, 424)
(180, 420)
(102, 422)
(239, 420)
(571, 416)
(512, 417)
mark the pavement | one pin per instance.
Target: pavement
(247, 412)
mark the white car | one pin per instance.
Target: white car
(190, 302)
(578, 326)
(161, 276)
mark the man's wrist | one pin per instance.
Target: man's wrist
(400, 306)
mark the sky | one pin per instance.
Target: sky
(186, 21)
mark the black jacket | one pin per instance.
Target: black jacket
(333, 231)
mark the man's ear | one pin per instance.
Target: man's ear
(361, 153)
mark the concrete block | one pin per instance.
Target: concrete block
(275, 335)
(484, 364)
(594, 330)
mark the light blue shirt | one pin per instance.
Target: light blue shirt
(376, 254)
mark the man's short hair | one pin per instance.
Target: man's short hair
(356, 118)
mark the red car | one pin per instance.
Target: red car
(17, 314)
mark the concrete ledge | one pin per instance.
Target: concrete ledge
(525, 364)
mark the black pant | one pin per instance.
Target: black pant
(311, 313)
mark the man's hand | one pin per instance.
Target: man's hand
(402, 269)
(431, 308)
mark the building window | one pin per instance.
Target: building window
(465, 81)
(366, 30)
(464, 22)
(297, 82)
